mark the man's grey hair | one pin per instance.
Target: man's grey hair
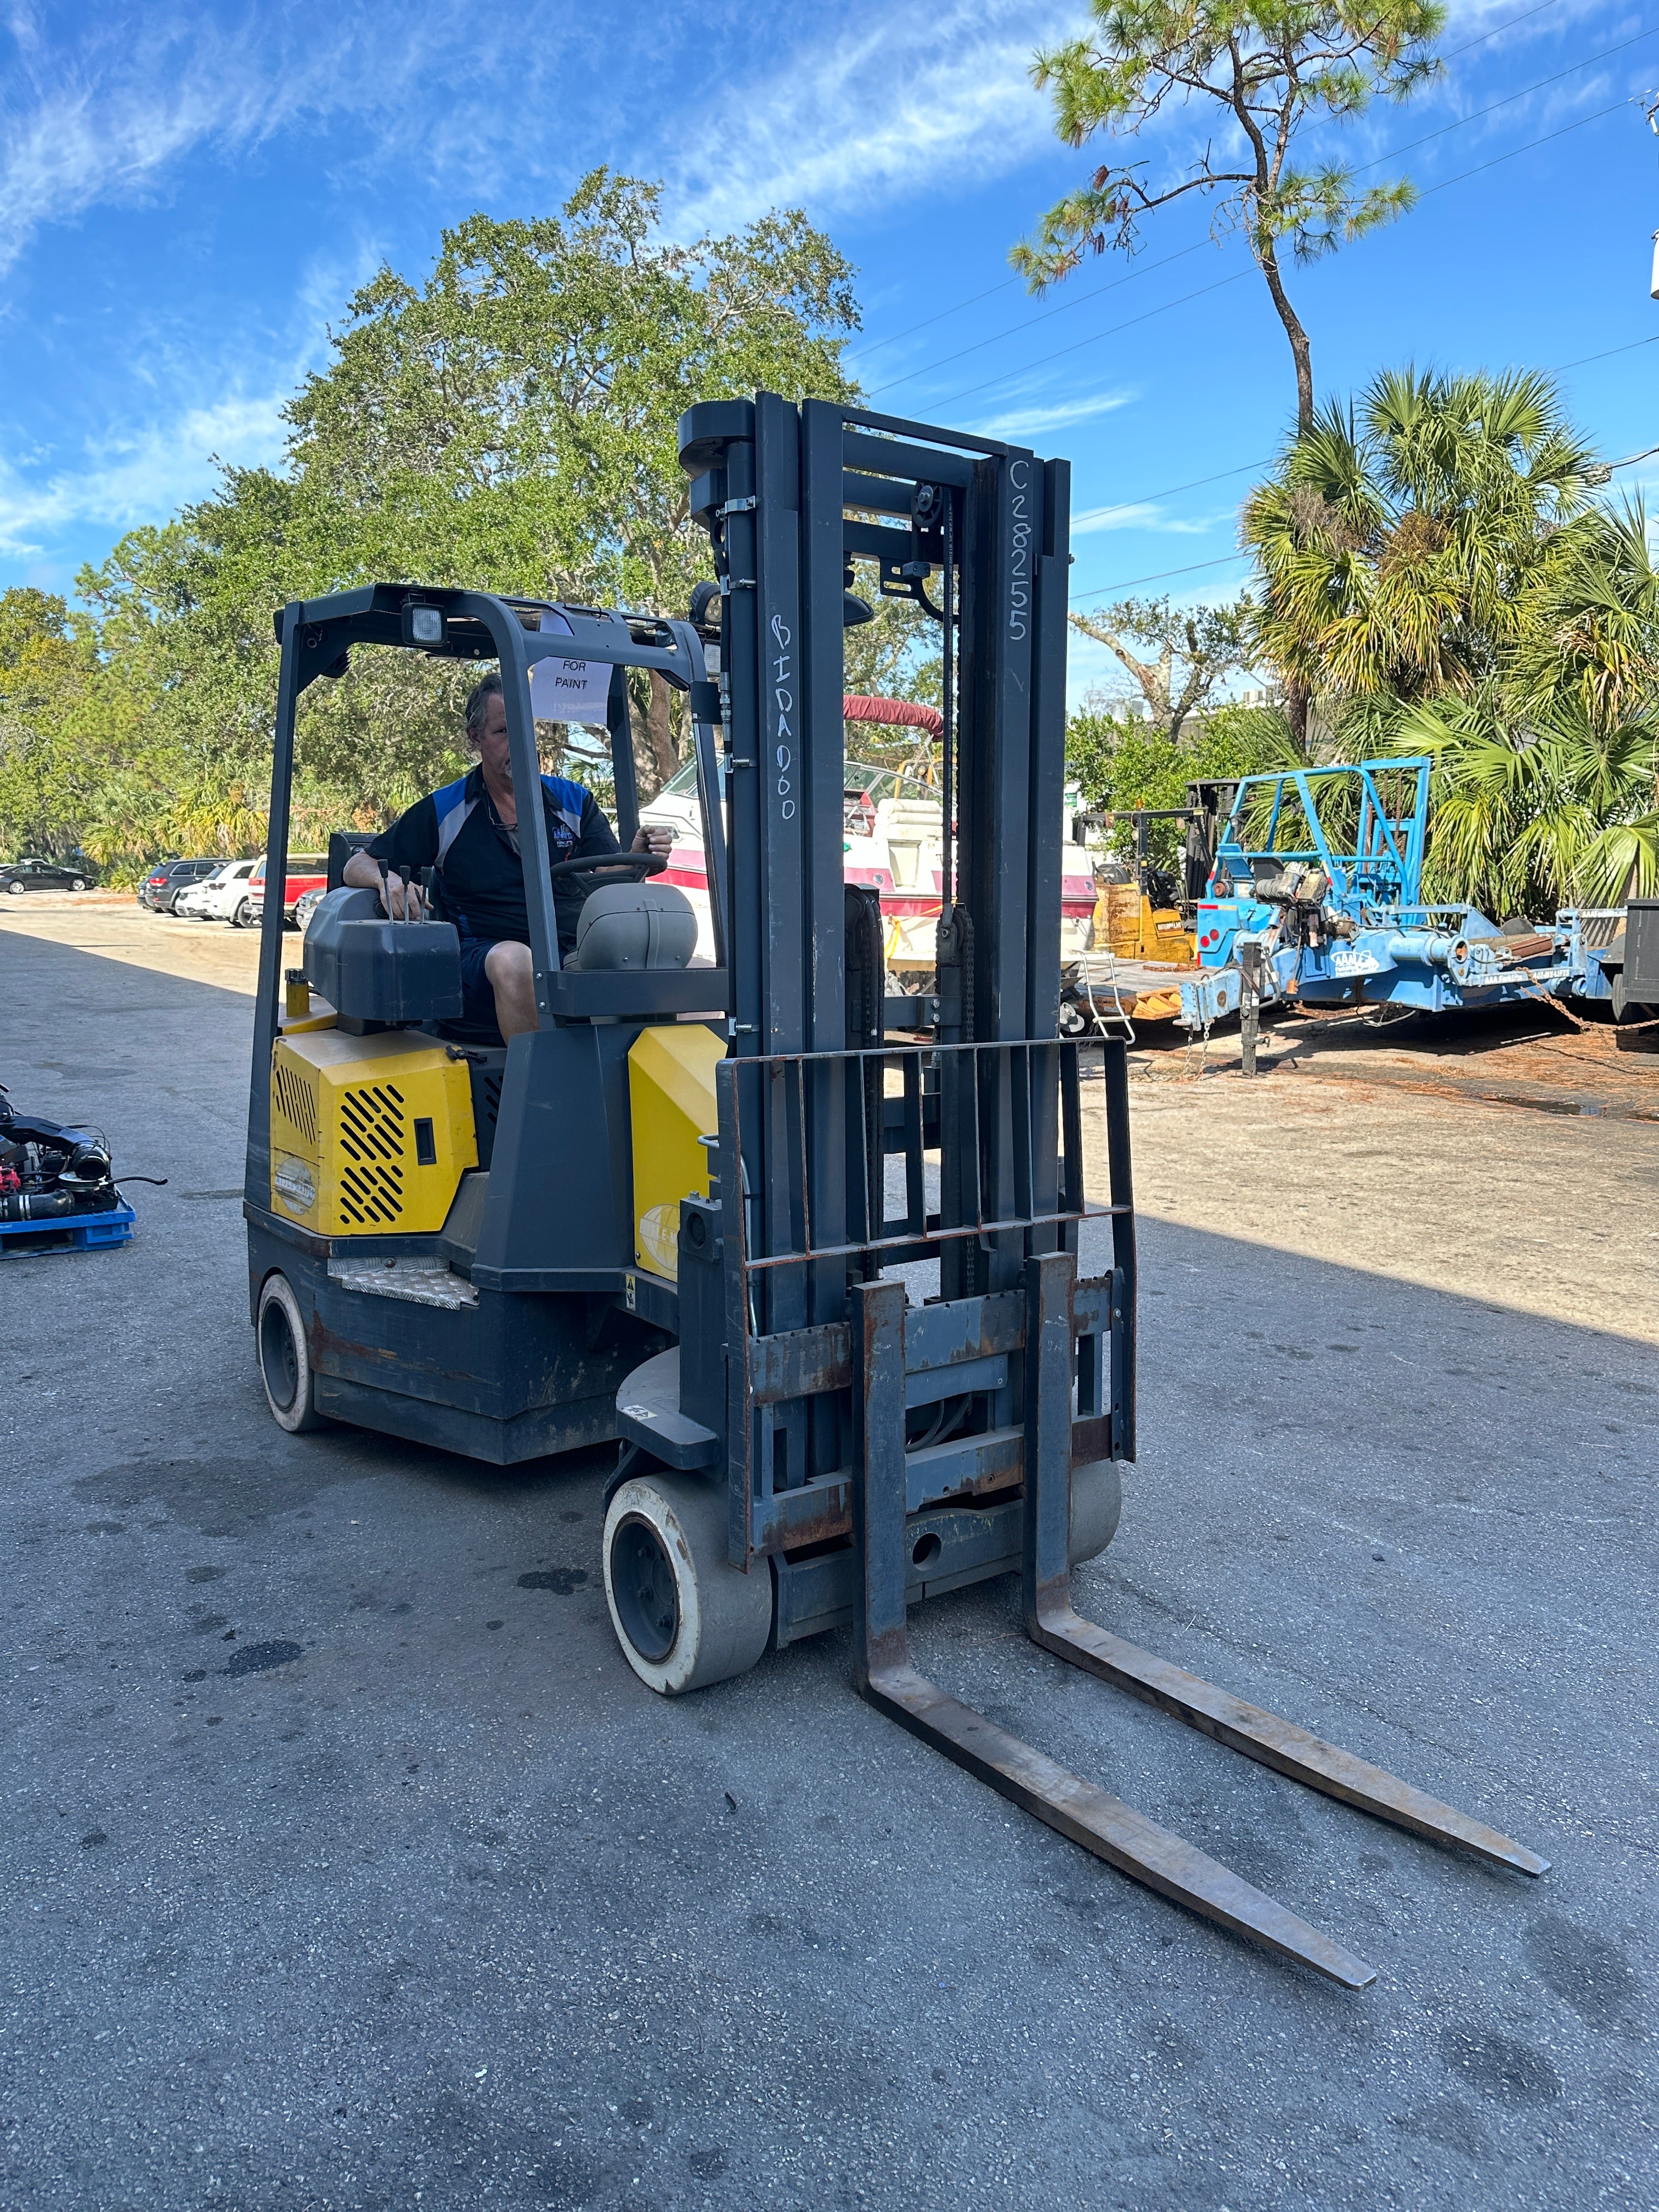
(478, 706)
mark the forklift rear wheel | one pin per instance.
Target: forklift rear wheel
(284, 1359)
(684, 1614)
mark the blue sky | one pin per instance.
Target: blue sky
(189, 193)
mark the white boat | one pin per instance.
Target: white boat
(893, 822)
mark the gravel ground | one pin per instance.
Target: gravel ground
(345, 1863)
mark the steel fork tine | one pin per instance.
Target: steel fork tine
(881, 1660)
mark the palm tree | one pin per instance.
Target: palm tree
(1395, 548)
(1435, 577)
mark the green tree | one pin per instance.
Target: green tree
(1401, 545)
(513, 420)
(1119, 762)
(1265, 71)
(1194, 650)
(510, 421)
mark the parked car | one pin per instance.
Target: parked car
(17, 876)
(305, 907)
(224, 898)
(162, 885)
(187, 901)
(305, 872)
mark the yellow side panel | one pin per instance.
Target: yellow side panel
(671, 1096)
(1129, 926)
(369, 1136)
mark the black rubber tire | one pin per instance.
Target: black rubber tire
(1097, 1504)
(1073, 1021)
(77, 882)
(243, 916)
(684, 1616)
(14, 888)
(285, 1358)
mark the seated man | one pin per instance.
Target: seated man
(469, 832)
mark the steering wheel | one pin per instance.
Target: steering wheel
(638, 864)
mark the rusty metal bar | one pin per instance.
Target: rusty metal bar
(928, 1236)
(881, 1656)
(1262, 1735)
(1103, 1824)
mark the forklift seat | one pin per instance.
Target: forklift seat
(632, 926)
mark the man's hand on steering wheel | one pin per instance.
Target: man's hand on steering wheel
(654, 837)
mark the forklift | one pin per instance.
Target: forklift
(816, 1280)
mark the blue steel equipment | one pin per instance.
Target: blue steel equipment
(1318, 872)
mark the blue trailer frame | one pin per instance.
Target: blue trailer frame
(1344, 924)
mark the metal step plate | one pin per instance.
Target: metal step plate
(422, 1282)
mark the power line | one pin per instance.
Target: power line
(1018, 330)
(1497, 159)
(1508, 100)
(875, 345)
(1083, 300)
(1463, 176)
(1221, 561)
(1482, 38)
(1237, 277)
(1098, 591)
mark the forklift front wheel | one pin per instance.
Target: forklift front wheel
(684, 1614)
(1097, 1504)
(284, 1359)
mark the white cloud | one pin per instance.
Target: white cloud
(144, 475)
(200, 409)
(901, 99)
(105, 119)
(1034, 421)
(1142, 515)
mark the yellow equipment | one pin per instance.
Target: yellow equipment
(369, 1135)
(1129, 926)
(671, 1096)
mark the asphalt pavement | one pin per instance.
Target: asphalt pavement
(343, 1862)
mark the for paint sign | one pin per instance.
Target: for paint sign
(569, 690)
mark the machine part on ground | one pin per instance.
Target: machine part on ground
(58, 1190)
(863, 1370)
(1322, 869)
(685, 1617)
(1142, 937)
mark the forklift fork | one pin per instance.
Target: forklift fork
(1103, 1824)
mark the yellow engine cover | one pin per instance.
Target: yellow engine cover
(1127, 925)
(369, 1135)
(671, 1096)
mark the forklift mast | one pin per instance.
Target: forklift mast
(812, 1104)
(870, 1345)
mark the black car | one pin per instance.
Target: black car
(17, 876)
(162, 885)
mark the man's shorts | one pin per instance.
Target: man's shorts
(477, 992)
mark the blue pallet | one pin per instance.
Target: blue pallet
(74, 1232)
